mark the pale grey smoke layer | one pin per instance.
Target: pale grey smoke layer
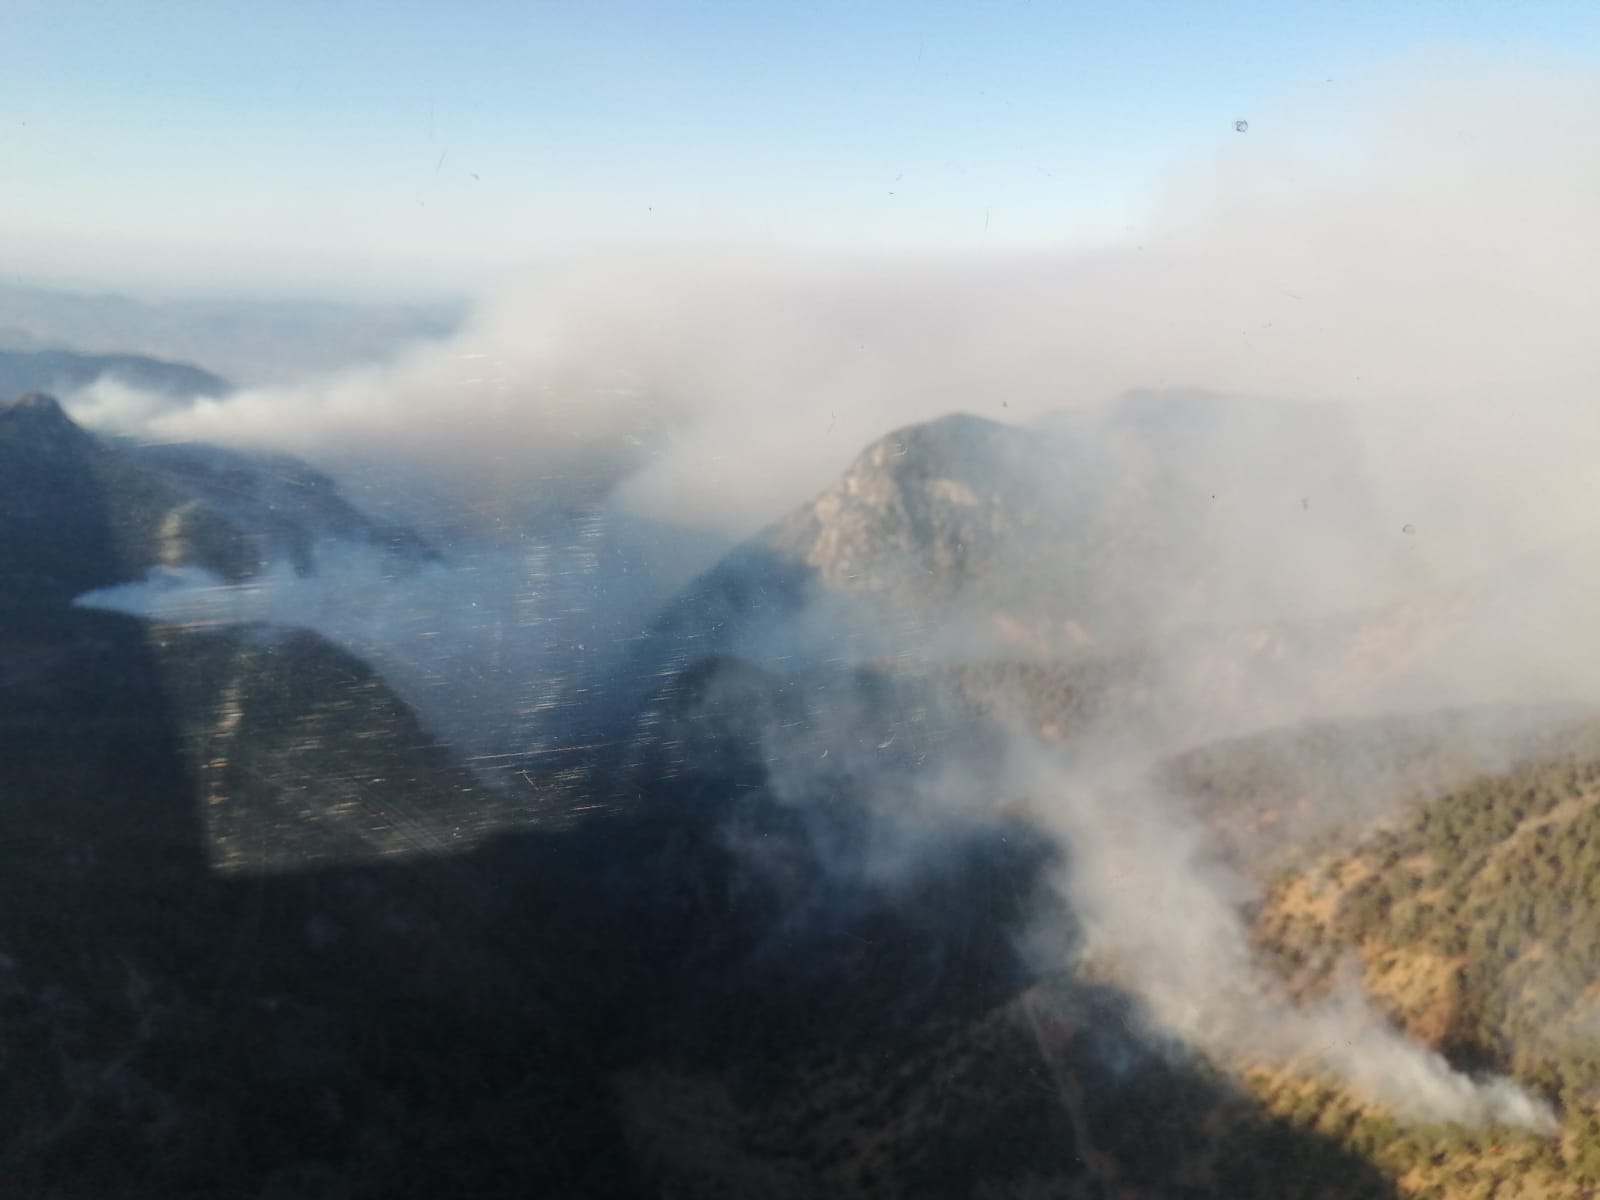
(1436, 274)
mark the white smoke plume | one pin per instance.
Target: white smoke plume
(1164, 917)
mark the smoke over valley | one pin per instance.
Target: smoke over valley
(1102, 720)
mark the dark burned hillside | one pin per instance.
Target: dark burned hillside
(259, 937)
(785, 928)
(619, 1008)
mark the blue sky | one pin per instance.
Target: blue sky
(367, 142)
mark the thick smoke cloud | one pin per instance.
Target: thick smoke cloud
(1434, 269)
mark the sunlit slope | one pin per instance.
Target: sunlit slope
(1476, 923)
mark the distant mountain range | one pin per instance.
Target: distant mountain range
(249, 341)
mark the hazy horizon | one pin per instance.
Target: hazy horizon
(369, 149)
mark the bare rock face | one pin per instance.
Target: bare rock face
(923, 514)
(1092, 530)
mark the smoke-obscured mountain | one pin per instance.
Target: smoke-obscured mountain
(64, 371)
(1274, 797)
(1169, 569)
(1499, 639)
(83, 512)
(954, 565)
(1095, 529)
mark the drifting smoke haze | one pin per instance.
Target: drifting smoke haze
(500, 649)
(1436, 281)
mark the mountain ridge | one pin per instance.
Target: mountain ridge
(67, 371)
(86, 512)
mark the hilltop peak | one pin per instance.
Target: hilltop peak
(34, 401)
(39, 411)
